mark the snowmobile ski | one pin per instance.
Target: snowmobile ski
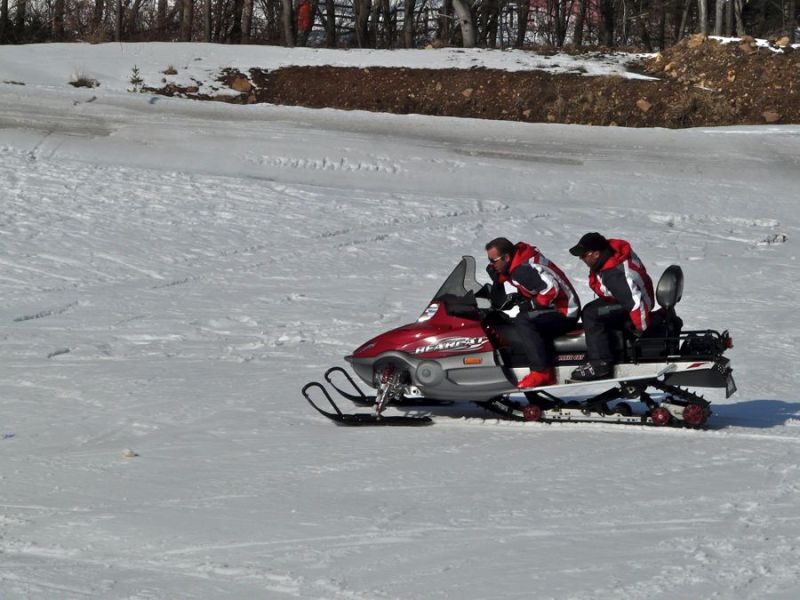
(362, 399)
(359, 419)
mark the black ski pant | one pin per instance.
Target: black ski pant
(601, 320)
(536, 330)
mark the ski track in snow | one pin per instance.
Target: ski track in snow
(172, 298)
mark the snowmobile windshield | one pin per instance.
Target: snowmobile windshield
(461, 281)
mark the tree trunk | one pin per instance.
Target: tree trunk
(374, 18)
(247, 21)
(389, 29)
(792, 24)
(133, 18)
(187, 22)
(4, 26)
(207, 21)
(118, 22)
(58, 20)
(719, 16)
(661, 31)
(161, 18)
(19, 20)
(522, 24)
(702, 16)
(684, 18)
(408, 23)
(729, 18)
(362, 10)
(287, 22)
(737, 13)
(235, 27)
(464, 17)
(563, 13)
(492, 23)
(444, 21)
(330, 23)
(607, 17)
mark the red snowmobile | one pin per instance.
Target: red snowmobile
(461, 349)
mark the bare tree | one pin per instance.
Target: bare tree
(487, 24)
(580, 19)
(247, 21)
(792, 21)
(207, 35)
(362, 9)
(161, 17)
(58, 20)
(287, 22)
(702, 15)
(661, 26)
(118, 22)
(19, 19)
(408, 23)
(719, 16)
(464, 17)
(607, 20)
(523, 10)
(330, 23)
(559, 12)
(4, 23)
(187, 22)
(737, 14)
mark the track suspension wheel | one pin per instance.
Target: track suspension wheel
(694, 414)
(660, 416)
(532, 412)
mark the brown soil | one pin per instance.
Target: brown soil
(701, 82)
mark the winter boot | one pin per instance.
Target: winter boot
(594, 369)
(538, 379)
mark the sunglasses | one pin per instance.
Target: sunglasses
(494, 260)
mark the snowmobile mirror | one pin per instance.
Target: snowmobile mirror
(670, 287)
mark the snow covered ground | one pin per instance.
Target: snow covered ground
(173, 272)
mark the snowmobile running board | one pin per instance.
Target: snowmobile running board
(357, 419)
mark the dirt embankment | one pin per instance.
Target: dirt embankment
(700, 82)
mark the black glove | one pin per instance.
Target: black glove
(631, 330)
(512, 300)
(493, 275)
(484, 292)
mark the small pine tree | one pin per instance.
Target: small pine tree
(136, 80)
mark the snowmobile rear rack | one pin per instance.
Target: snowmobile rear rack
(356, 419)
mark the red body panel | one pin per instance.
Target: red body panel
(435, 335)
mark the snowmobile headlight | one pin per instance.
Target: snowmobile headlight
(429, 372)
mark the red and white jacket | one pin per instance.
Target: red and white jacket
(622, 278)
(540, 280)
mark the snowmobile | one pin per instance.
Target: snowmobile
(464, 349)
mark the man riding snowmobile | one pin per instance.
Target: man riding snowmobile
(549, 306)
(618, 277)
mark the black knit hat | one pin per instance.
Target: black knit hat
(588, 243)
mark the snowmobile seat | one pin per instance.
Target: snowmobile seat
(670, 288)
(572, 341)
(668, 293)
(662, 336)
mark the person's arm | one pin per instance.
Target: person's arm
(540, 285)
(628, 296)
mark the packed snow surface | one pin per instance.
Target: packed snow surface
(173, 272)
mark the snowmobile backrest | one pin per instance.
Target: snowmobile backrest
(670, 288)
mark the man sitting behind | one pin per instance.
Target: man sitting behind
(625, 300)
